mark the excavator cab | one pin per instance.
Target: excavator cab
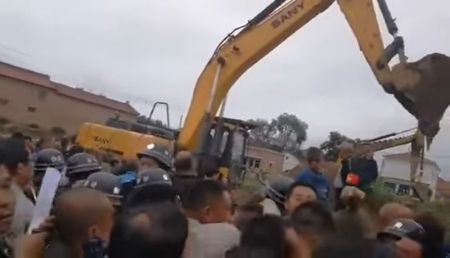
(225, 149)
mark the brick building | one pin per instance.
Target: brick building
(27, 97)
(264, 159)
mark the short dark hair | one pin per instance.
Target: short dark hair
(313, 218)
(263, 237)
(184, 163)
(158, 230)
(314, 154)
(433, 241)
(27, 138)
(14, 153)
(299, 184)
(342, 246)
(148, 194)
(202, 193)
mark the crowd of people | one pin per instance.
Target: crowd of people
(159, 207)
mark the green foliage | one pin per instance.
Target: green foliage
(285, 133)
(331, 145)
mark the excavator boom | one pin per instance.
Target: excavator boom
(248, 44)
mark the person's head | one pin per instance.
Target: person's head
(183, 161)
(108, 184)
(157, 230)
(16, 160)
(155, 156)
(209, 202)
(313, 221)
(115, 164)
(46, 158)
(266, 237)
(244, 214)
(29, 143)
(341, 246)
(389, 212)
(408, 236)
(314, 156)
(298, 194)
(345, 150)
(7, 198)
(80, 166)
(433, 241)
(18, 136)
(152, 186)
(83, 215)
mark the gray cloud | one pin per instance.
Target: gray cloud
(144, 51)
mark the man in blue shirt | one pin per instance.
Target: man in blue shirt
(313, 175)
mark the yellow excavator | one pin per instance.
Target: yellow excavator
(422, 87)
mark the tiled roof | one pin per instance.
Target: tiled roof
(42, 80)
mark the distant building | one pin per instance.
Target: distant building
(395, 173)
(290, 162)
(27, 97)
(266, 160)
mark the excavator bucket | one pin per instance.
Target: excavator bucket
(423, 88)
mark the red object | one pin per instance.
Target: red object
(353, 179)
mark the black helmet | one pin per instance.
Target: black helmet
(277, 188)
(160, 153)
(48, 158)
(156, 176)
(153, 186)
(106, 183)
(81, 165)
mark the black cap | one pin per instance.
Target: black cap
(82, 163)
(403, 228)
(160, 153)
(106, 183)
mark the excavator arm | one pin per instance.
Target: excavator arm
(248, 44)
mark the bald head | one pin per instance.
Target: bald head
(392, 211)
(79, 210)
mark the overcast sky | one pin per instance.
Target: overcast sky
(144, 51)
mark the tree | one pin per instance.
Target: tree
(285, 133)
(331, 146)
(155, 122)
(291, 131)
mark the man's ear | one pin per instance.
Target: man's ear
(93, 232)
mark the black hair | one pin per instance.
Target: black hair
(299, 184)
(313, 218)
(148, 194)
(158, 230)
(27, 138)
(433, 241)
(14, 153)
(202, 193)
(184, 163)
(314, 154)
(263, 237)
(341, 246)
(248, 212)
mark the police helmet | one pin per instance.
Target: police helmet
(160, 153)
(155, 176)
(106, 183)
(82, 164)
(277, 188)
(48, 158)
(153, 186)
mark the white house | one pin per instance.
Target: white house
(395, 172)
(290, 161)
